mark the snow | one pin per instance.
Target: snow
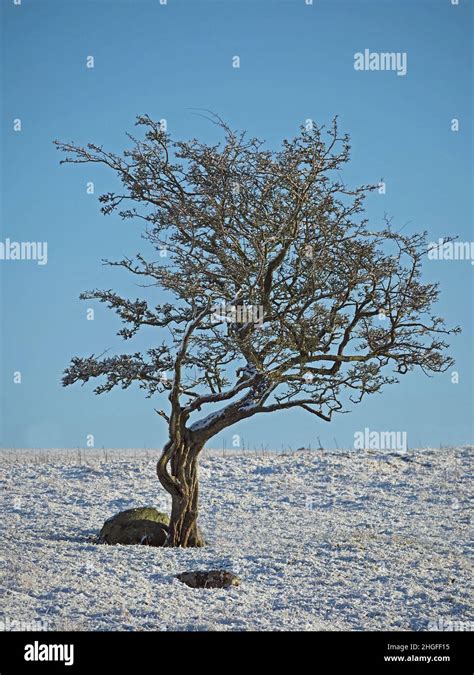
(206, 421)
(321, 540)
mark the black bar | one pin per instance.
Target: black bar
(147, 652)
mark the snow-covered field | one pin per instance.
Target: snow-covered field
(321, 540)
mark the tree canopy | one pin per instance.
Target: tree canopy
(249, 232)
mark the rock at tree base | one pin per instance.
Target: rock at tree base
(209, 579)
(143, 525)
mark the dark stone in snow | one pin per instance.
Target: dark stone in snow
(209, 579)
(136, 526)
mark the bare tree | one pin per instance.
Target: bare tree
(283, 296)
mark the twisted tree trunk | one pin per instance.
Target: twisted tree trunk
(177, 470)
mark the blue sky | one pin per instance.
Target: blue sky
(296, 62)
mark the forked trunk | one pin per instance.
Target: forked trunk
(183, 521)
(177, 470)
